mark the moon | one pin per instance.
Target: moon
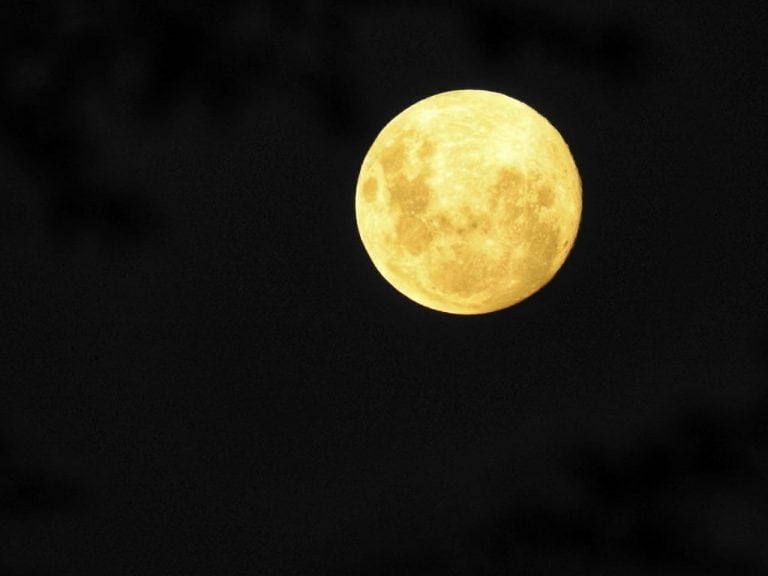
(468, 201)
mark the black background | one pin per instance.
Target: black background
(202, 373)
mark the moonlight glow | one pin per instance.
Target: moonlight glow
(468, 201)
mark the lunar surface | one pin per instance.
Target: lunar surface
(468, 201)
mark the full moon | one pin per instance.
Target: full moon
(468, 201)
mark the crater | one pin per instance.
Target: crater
(413, 234)
(370, 189)
(544, 248)
(509, 182)
(462, 271)
(545, 196)
(505, 192)
(412, 194)
(411, 197)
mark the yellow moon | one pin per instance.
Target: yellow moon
(468, 201)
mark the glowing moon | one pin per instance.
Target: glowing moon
(468, 201)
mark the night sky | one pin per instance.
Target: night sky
(202, 373)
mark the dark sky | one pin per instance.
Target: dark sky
(201, 372)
